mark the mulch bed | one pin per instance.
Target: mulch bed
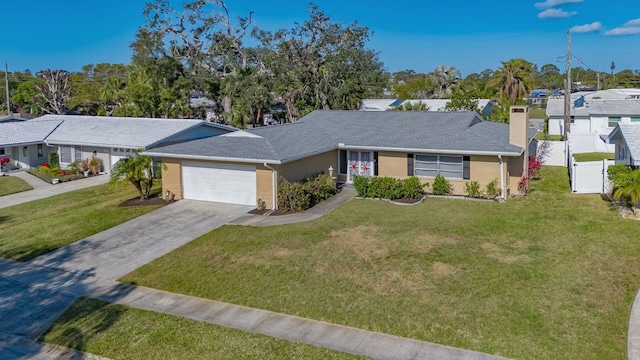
(258, 211)
(137, 202)
(407, 200)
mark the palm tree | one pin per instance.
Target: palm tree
(137, 170)
(627, 188)
(514, 79)
(445, 79)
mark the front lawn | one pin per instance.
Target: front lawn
(594, 156)
(537, 113)
(548, 137)
(120, 332)
(37, 227)
(12, 185)
(549, 276)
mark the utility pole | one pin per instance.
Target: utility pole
(567, 88)
(598, 76)
(6, 85)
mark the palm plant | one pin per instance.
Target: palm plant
(514, 79)
(137, 170)
(444, 79)
(627, 188)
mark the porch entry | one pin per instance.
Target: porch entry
(359, 163)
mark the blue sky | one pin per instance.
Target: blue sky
(408, 34)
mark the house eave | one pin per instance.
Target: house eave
(428, 151)
(210, 158)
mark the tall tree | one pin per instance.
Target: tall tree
(444, 79)
(54, 90)
(202, 36)
(320, 64)
(514, 79)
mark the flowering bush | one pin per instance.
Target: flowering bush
(45, 164)
(441, 186)
(4, 161)
(534, 167)
(523, 185)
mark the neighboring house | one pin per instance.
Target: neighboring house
(485, 105)
(244, 167)
(626, 138)
(23, 142)
(77, 137)
(11, 118)
(595, 112)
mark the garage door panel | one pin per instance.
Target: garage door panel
(235, 184)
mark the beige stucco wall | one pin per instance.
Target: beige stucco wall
(515, 168)
(483, 169)
(392, 164)
(303, 168)
(264, 187)
(172, 177)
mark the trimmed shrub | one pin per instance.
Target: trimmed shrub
(388, 187)
(614, 171)
(305, 194)
(441, 186)
(472, 189)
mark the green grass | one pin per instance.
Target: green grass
(543, 136)
(594, 156)
(12, 185)
(37, 227)
(120, 332)
(537, 113)
(549, 276)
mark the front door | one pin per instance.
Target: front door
(359, 163)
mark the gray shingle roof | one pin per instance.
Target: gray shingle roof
(114, 131)
(555, 107)
(320, 131)
(631, 134)
(26, 132)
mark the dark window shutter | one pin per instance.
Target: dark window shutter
(343, 161)
(375, 163)
(409, 164)
(466, 167)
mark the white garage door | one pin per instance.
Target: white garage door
(234, 184)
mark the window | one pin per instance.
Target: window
(431, 165)
(572, 119)
(635, 119)
(5, 151)
(613, 121)
(40, 151)
(343, 162)
(65, 154)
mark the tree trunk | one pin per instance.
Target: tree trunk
(226, 104)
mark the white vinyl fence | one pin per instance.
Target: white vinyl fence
(590, 177)
(552, 153)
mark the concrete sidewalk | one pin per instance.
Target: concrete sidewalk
(347, 193)
(633, 335)
(288, 327)
(43, 190)
(121, 249)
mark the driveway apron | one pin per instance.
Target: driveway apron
(117, 251)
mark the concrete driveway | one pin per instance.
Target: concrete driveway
(117, 251)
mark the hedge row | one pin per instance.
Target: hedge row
(388, 187)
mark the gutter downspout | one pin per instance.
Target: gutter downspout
(274, 186)
(501, 177)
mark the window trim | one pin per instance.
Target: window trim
(635, 119)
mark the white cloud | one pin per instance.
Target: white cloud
(631, 27)
(634, 23)
(555, 13)
(627, 30)
(552, 3)
(586, 27)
